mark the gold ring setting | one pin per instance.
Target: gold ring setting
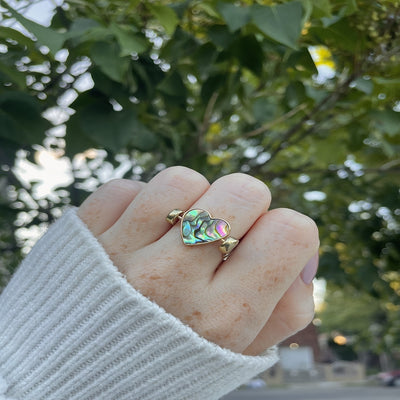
(198, 227)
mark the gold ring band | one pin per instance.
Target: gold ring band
(198, 227)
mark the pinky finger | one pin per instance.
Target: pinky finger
(293, 313)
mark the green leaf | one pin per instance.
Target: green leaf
(263, 110)
(341, 35)
(316, 94)
(295, 94)
(76, 139)
(282, 23)
(165, 15)
(84, 30)
(8, 73)
(307, 10)
(112, 89)
(317, 8)
(249, 53)
(10, 33)
(388, 121)
(180, 7)
(173, 85)
(110, 129)
(205, 58)
(329, 151)
(181, 46)
(20, 119)
(302, 61)
(81, 25)
(389, 86)
(220, 36)
(322, 8)
(388, 149)
(60, 19)
(234, 16)
(364, 85)
(207, 8)
(215, 83)
(147, 75)
(350, 8)
(386, 81)
(129, 41)
(44, 35)
(106, 56)
(326, 22)
(355, 141)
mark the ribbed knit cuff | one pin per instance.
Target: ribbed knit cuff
(72, 327)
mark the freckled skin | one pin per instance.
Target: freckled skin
(188, 319)
(238, 318)
(231, 303)
(95, 211)
(197, 314)
(217, 338)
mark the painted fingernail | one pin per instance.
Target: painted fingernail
(310, 270)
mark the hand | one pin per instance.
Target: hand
(258, 297)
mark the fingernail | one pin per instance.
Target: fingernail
(310, 270)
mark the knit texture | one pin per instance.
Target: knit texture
(72, 327)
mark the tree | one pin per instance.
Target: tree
(219, 86)
(363, 322)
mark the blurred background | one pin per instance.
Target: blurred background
(304, 95)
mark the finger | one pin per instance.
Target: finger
(263, 266)
(239, 199)
(292, 314)
(103, 207)
(144, 221)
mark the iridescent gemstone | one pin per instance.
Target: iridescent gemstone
(198, 227)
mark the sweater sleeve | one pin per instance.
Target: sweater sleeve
(72, 327)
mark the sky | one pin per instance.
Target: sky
(41, 11)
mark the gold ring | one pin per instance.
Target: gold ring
(198, 227)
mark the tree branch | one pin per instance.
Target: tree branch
(265, 127)
(303, 170)
(206, 119)
(331, 98)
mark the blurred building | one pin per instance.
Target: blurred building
(303, 360)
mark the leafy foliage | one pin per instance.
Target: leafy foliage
(218, 86)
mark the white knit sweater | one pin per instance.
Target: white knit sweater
(72, 327)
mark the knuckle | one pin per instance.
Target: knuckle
(109, 190)
(182, 177)
(246, 189)
(113, 184)
(120, 186)
(297, 227)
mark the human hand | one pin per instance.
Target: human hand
(258, 297)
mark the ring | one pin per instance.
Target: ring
(198, 227)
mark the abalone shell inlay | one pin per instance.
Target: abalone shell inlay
(198, 227)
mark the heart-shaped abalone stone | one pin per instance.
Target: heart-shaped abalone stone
(198, 227)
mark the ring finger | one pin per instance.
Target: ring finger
(238, 199)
